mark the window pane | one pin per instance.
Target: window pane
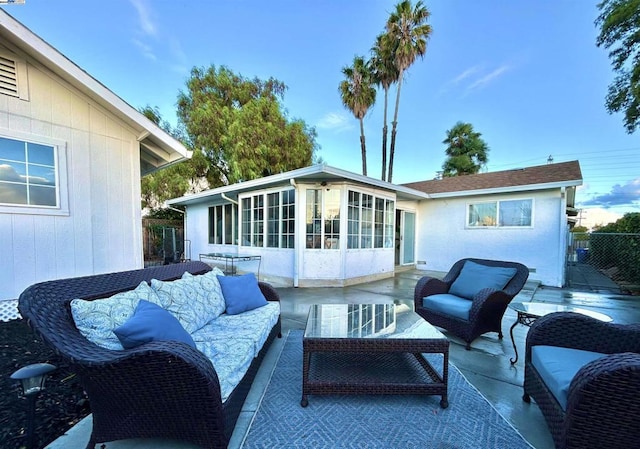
(13, 193)
(219, 228)
(258, 221)
(41, 175)
(353, 220)
(389, 235)
(12, 150)
(515, 213)
(40, 154)
(366, 236)
(332, 219)
(379, 223)
(273, 220)
(42, 196)
(13, 171)
(483, 214)
(212, 222)
(228, 223)
(313, 220)
(246, 222)
(288, 219)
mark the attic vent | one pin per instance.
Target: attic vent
(8, 77)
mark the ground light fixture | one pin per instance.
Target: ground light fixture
(32, 378)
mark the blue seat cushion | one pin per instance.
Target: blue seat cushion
(447, 304)
(150, 322)
(558, 366)
(474, 277)
(241, 293)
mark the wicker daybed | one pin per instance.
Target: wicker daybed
(162, 389)
(600, 409)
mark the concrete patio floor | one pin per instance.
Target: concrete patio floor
(486, 365)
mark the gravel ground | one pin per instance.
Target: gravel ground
(58, 408)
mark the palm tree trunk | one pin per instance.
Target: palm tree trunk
(363, 148)
(384, 137)
(394, 124)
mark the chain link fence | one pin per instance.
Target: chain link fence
(615, 256)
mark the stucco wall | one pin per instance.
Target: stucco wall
(443, 237)
(101, 230)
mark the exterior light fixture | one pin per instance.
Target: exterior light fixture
(32, 379)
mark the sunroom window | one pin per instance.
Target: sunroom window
(370, 221)
(222, 224)
(268, 220)
(323, 218)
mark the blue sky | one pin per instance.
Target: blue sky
(526, 74)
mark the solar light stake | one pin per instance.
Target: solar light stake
(32, 378)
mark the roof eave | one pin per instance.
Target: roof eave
(508, 189)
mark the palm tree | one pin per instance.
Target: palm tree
(466, 151)
(358, 95)
(385, 73)
(408, 30)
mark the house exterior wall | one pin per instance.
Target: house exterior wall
(444, 238)
(99, 230)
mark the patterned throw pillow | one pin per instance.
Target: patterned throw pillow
(188, 301)
(211, 291)
(97, 319)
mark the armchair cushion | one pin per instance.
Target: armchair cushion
(558, 366)
(448, 304)
(475, 277)
(150, 322)
(241, 293)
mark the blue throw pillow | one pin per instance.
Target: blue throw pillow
(241, 293)
(150, 322)
(474, 277)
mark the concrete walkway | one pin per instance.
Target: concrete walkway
(486, 366)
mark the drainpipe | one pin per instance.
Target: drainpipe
(563, 236)
(225, 197)
(296, 246)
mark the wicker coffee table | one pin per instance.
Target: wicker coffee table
(371, 349)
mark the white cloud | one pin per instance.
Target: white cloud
(488, 78)
(466, 74)
(336, 121)
(147, 24)
(145, 49)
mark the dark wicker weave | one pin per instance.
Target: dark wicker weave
(159, 389)
(488, 306)
(603, 406)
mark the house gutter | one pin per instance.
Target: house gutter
(296, 258)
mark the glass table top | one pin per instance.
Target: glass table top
(539, 309)
(368, 321)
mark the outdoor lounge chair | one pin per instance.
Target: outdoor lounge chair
(472, 298)
(584, 374)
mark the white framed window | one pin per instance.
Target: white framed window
(323, 219)
(370, 221)
(268, 219)
(500, 214)
(33, 175)
(222, 224)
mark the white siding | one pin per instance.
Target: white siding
(443, 237)
(102, 231)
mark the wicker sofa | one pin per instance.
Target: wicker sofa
(164, 389)
(481, 308)
(584, 374)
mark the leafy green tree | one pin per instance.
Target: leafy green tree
(358, 95)
(619, 23)
(385, 73)
(240, 127)
(466, 151)
(175, 180)
(408, 30)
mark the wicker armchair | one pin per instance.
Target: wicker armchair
(159, 389)
(488, 306)
(602, 407)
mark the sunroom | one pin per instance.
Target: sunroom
(316, 226)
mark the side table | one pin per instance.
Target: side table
(528, 312)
